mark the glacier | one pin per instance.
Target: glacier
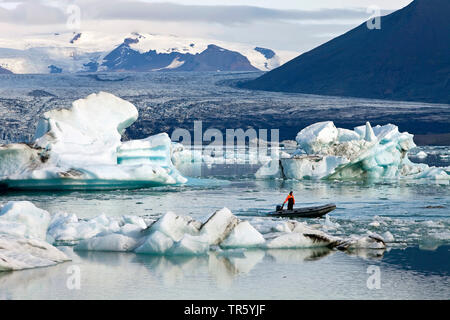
(81, 148)
(365, 153)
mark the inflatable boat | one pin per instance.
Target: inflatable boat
(307, 212)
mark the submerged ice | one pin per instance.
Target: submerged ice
(81, 147)
(327, 152)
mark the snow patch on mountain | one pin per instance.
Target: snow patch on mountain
(176, 63)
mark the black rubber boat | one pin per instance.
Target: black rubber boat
(308, 212)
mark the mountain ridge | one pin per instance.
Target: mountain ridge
(135, 52)
(213, 58)
(407, 59)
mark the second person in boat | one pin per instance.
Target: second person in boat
(290, 200)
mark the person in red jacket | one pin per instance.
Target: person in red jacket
(290, 200)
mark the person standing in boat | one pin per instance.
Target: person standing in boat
(290, 200)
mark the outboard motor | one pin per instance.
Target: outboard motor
(279, 208)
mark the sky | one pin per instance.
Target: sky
(292, 25)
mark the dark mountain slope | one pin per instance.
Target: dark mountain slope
(216, 58)
(407, 59)
(213, 58)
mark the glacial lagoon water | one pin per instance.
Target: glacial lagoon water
(416, 264)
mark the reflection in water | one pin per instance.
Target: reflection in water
(295, 255)
(368, 254)
(320, 272)
(222, 266)
(172, 270)
(226, 266)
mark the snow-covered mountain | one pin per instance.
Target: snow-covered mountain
(92, 51)
(4, 71)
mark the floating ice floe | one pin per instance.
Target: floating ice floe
(81, 148)
(27, 234)
(23, 233)
(421, 154)
(68, 228)
(23, 219)
(174, 234)
(17, 253)
(327, 152)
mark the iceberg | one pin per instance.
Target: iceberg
(155, 243)
(190, 245)
(175, 226)
(24, 219)
(327, 152)
(112, 242)
(174, 235)
(421, 155)
(81, 148)
(17, 253)
(244, 235)
(297, 240)
(181, 235)
(219, 226)
(68, 228)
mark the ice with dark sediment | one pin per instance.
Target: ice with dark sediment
(327, 152)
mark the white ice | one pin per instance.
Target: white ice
(17, 253)
(24, 219)
(421, 154)
(110, 242)
(68, 228)
(219, 226)
(23, 234)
